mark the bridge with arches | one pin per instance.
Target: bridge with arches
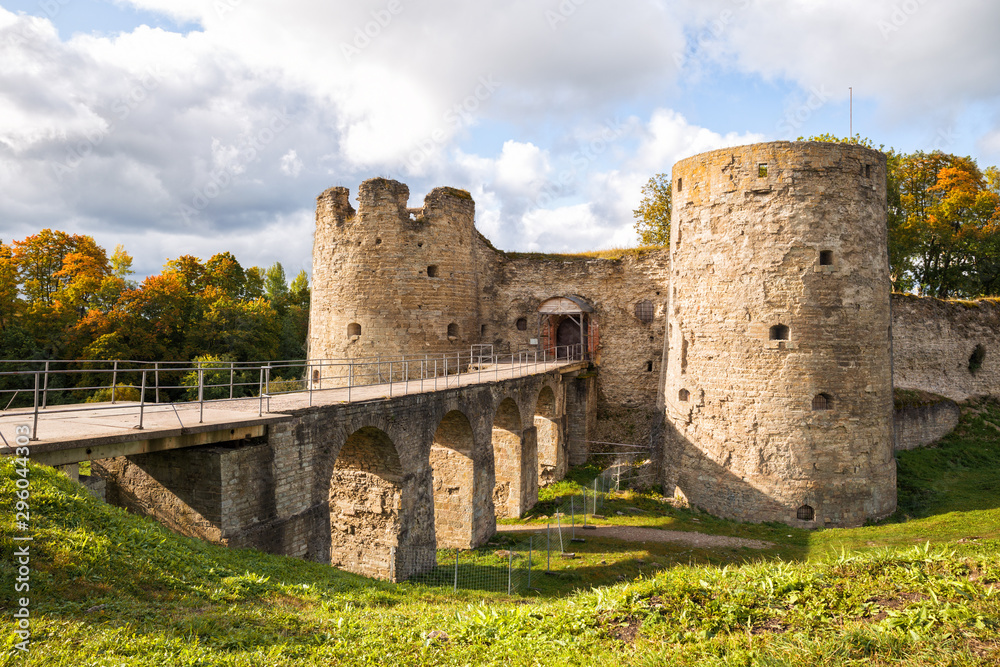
(372, 485)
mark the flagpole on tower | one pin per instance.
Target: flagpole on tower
(851, 89)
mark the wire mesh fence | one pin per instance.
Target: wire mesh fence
(506, 565)
(511, 561)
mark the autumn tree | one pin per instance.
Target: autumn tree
(653, 215)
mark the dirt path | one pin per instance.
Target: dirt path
(636, 534)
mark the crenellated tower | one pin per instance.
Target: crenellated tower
(390, 280)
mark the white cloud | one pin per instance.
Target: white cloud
(553, 131)
(291, 164)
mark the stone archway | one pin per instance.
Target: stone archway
(508, 465)
(365, 504)
(552, 462)
(452, 467)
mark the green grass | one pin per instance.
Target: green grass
(922, 588)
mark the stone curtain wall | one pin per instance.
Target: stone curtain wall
(389, 280)
(630, 351)
(934, 346)
(778, 386)
(921, 425)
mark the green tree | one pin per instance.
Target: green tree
(224, 272)
(653, 215)
(299, 291)
(253, 285)
(276, 287)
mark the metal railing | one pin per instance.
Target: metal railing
(55, 386)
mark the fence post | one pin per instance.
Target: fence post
(510, 567)
(142, 400)
(595, 495)
(114, 381)
(548, 547)
(34, 428)
(572, 518)
(231, 377)
(45, 387)
(456, 569)
(350, 378)
(390, 379)
(529, 561)
(156, 381)
(562, 549)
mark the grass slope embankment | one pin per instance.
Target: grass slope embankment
(108, 588)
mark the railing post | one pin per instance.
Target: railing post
(267, 385)
(231, 377)
(350, 378)
(260, 394)
(309, 378)
(142, 400)
(114, 381)
(45, 387)
(34, 428)
(390, 379)
(156, 381)
(201, 394)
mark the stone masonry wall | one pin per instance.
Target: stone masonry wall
(629, 351)
(935, 342)
(922, 425)
(778, 386)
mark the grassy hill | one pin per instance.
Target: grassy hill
(923, 588)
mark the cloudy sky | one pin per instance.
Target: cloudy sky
(197, 126)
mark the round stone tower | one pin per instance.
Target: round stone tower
(389, 280)
(778, 389)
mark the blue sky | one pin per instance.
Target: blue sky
(198, 126)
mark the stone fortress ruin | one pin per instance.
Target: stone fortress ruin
(758, 353)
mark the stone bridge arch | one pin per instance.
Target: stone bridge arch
(552, 459)
(451, 460)
(515, 488)
(366, 488)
